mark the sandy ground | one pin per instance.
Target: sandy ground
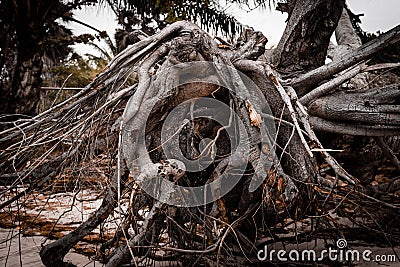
(69, 210)
(30, 247)
(38, 216)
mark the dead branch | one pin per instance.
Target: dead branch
(304, 83)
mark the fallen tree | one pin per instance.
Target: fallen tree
(239, 155)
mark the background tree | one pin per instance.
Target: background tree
(72, 73)
(152, 16)
(28, 30)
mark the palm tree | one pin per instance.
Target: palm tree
(26, 26)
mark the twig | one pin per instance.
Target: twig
(330, 85)
(388, 152)
(286, 99)
(304, 83)
(301, 110)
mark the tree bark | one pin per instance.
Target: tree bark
(305, 83)
(28, 20)
(306, 37)
(25, 93)
(373, 107)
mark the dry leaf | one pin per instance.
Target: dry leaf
(281, 183)
(324, 165)
(223, 46)
(330, 177)
(349, 210)
(380, 178)
(255, 118)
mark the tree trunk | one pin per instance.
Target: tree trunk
(306, 37)
(25, 93)
(23, 60)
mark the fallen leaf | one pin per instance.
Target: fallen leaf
(255, 118)
(281, 183)
(349, 210)
(223, 46)
(380, 178)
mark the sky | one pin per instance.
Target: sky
(379, 15)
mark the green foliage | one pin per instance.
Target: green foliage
(76, 71)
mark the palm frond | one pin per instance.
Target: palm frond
(209, 14)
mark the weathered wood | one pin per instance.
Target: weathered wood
(304, 83)
(323, 125)
(370, 107)
(329, 86)
(305, 40)
(53, 253)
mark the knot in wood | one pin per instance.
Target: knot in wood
(189, 46)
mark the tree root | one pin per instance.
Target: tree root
(277, 171)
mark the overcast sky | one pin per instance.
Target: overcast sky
(378, 15)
